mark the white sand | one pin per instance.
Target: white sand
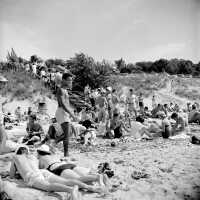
(172, 168)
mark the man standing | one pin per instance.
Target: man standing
(64, 111)
(131, 103)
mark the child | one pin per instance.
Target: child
(88, 136)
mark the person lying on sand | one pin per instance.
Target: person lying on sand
(181, 123)
(6, 145)
(34, 131)
(68, 170)
(27, 166)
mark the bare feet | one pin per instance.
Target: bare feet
(106, 180)
(100, 180)
(75, 195)
(100, 190)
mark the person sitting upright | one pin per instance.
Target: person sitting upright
(180, 125)
(194, 115)
(34, 131)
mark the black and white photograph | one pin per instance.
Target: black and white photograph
(100, 99)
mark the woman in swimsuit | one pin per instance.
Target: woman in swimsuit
(67, 170)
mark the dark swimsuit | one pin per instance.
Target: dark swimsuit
(58, 170)
(167, 132)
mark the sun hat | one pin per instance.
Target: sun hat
(109, 89)
(44, 148)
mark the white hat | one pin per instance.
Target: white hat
(3, 79)
(109, 89)
(44, 148)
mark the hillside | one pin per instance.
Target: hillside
(22, 86)
(25, 90)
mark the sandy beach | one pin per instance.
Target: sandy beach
(153, 169)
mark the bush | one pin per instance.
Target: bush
(87, 71)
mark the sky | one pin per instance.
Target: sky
(136, 30)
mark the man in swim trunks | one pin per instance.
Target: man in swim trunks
(103, 105)
(131, 104)
(64, 112)
(27, 166)
(67, 170)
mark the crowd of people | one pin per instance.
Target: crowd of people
(109, 116)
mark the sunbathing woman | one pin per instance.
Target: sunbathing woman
(68, 170)
(27, 166)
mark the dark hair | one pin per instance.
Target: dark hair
(131, 90)
(33, 116)
(66, 75)
(87, 123)
(194, 107)
(19, 151)
(54, 120)
(174, 115)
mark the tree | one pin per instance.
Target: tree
(172, 67)
(145, 66)
(87, 71)
(185, 67)
(159, 65)
(120, 64)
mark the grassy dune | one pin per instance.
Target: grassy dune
(141, 82)
(22, 86)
